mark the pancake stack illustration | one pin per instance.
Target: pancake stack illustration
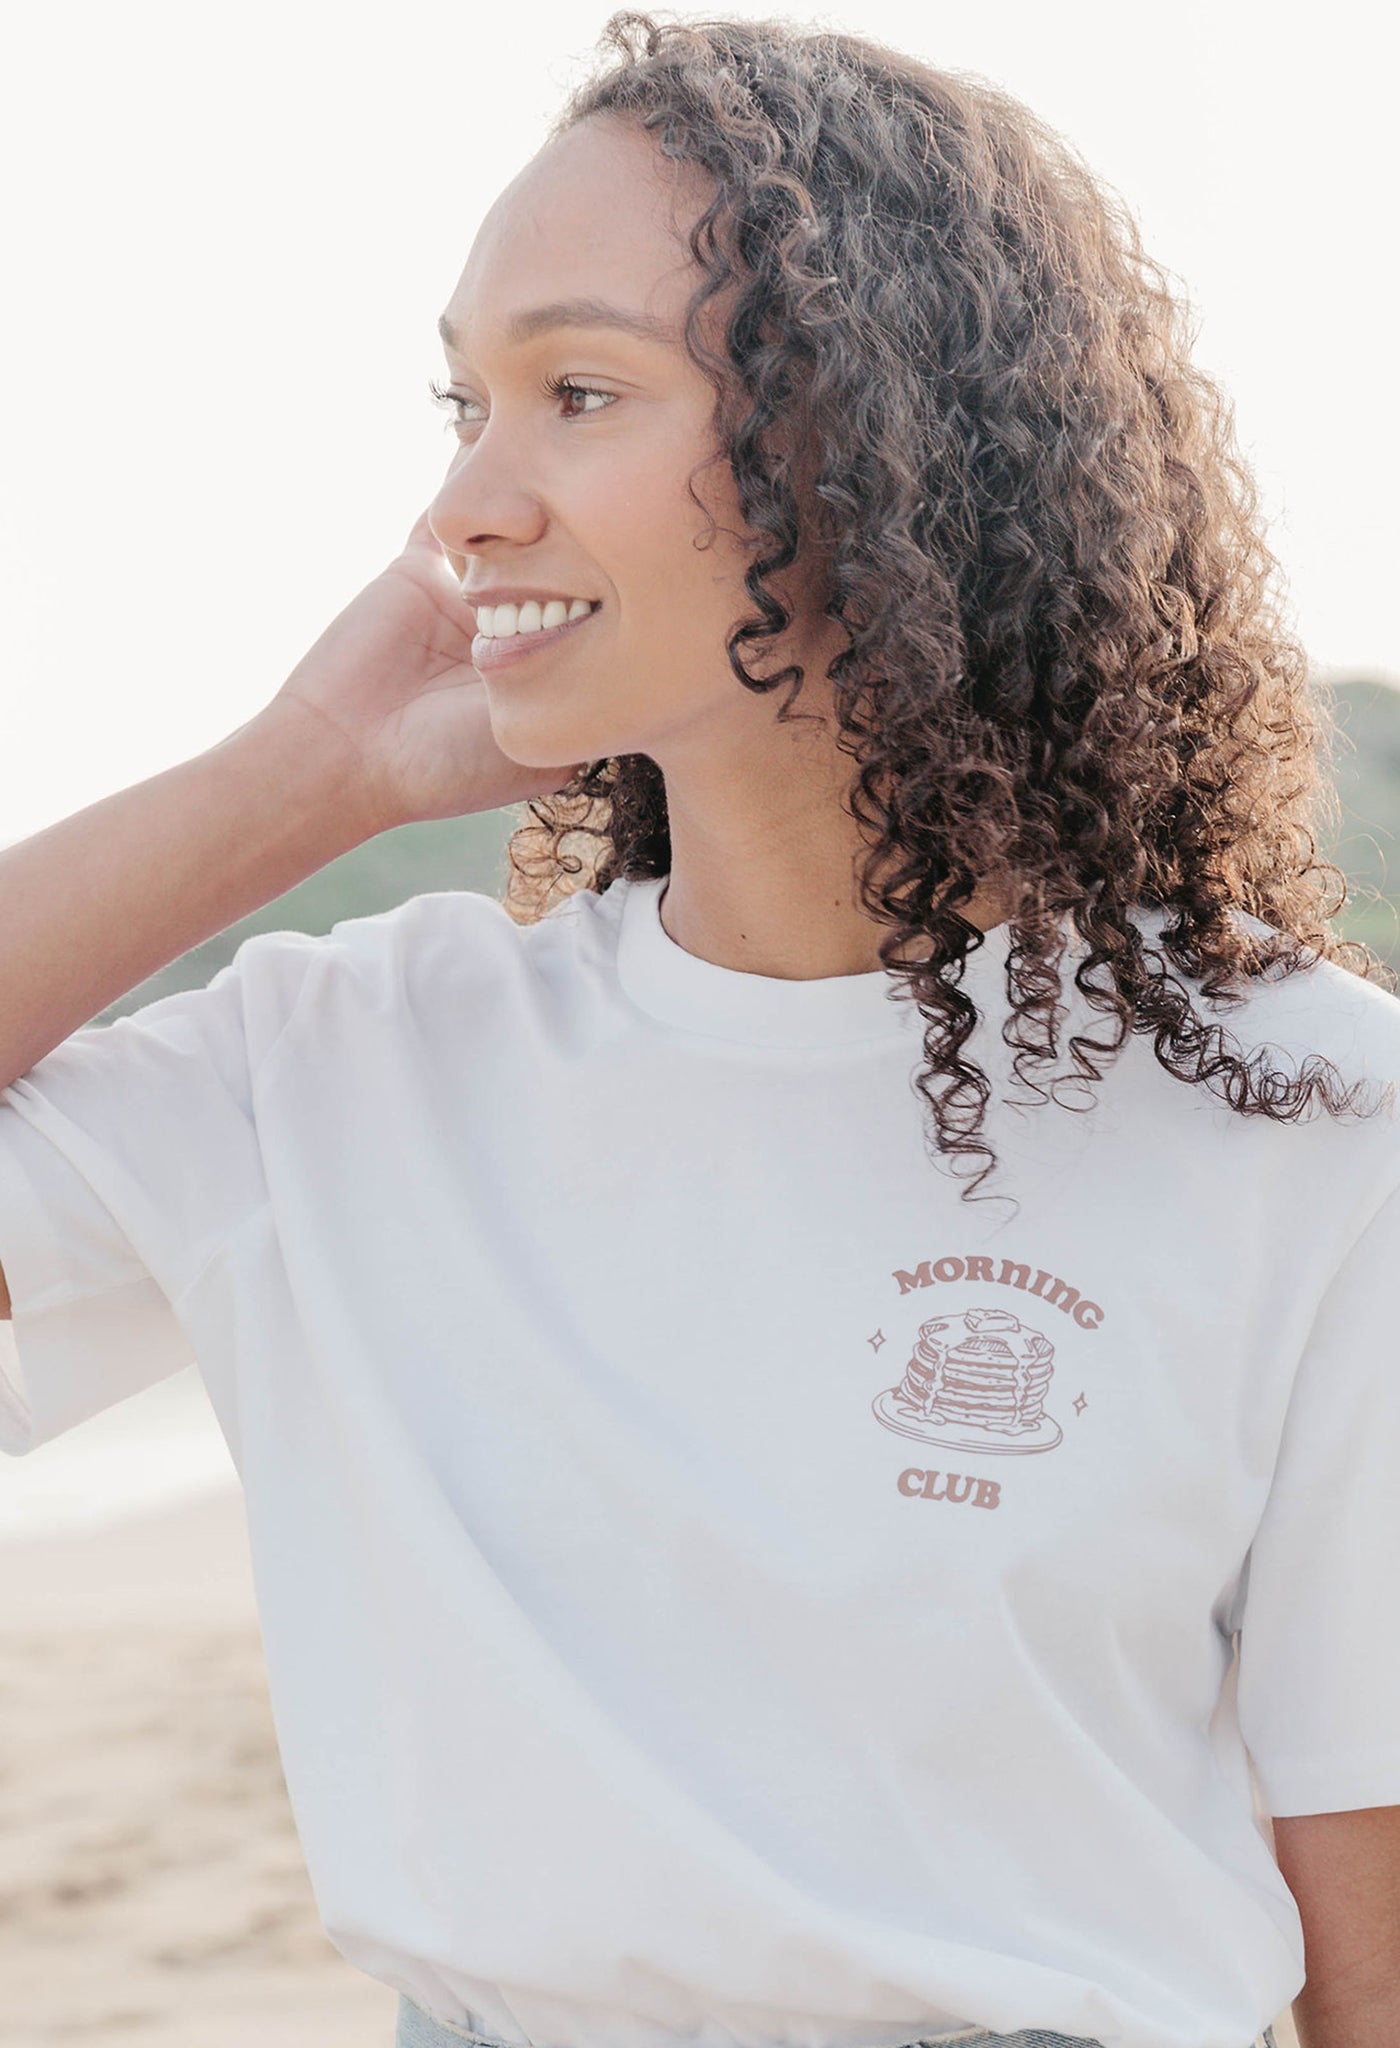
(976, 1380)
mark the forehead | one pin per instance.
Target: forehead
(598, 213)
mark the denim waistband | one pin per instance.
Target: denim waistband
(418, 2029)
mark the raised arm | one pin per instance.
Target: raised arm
(93, 905)
(383, 722)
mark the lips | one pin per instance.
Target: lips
(491, 654)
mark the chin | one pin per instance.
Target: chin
(544, 742)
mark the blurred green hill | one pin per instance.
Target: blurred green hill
(469, 853)
(1368, 784)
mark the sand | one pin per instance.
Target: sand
(152, 1888)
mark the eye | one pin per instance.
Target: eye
(554, 387)
(444, 398)
(557, 387)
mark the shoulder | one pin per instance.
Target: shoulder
(1318, 1008)
(467, 929)
(440, 948)
(1321, 1048)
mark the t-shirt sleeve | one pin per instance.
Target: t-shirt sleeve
(1319, 1650)
(129, 1156)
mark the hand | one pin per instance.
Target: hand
(392, 673)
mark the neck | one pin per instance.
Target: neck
(765, 856)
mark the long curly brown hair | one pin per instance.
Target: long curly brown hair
(1066, 661)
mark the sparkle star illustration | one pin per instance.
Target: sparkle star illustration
(876, 1341)
(1080, 1405)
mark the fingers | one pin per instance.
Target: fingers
(422, 535)
(424, 542)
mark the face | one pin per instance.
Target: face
(583, 493)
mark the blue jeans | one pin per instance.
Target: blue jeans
(418, 2029)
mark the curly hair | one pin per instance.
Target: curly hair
(1066, 661)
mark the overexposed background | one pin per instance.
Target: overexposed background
(228, 233)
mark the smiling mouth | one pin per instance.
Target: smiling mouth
(489, 652)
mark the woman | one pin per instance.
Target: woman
(723, 1580)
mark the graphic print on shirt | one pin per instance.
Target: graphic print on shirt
(976, 1378)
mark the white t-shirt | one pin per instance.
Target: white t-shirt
(718, 1585)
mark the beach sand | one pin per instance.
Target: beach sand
(152, 1888)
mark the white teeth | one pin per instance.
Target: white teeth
(504, 621)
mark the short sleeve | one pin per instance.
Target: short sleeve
(129, 1156)
(1319, 1652)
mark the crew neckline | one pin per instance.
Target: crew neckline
(681, 989)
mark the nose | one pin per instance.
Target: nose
(482, 502)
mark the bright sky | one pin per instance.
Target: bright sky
(229, 233)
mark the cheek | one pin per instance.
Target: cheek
(649, 535)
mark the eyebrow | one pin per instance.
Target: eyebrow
(536, 320)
